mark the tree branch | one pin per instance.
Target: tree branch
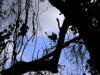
(60, 5)
(58, 23)
(23, 67)
(37, 65)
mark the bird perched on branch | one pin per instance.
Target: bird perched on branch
(53, 36)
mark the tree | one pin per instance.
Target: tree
(81, 17)
(83, 14)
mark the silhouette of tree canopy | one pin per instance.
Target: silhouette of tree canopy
(82, 19)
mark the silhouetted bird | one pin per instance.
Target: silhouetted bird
(53, 36)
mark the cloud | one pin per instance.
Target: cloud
(48, 20)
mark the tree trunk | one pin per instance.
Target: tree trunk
(90, 36)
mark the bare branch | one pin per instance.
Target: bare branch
(23, 67)
(58, 23)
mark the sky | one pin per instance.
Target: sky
(48, 23)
